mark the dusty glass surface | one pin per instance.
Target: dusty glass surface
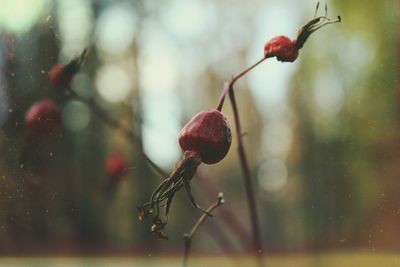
(320, 134)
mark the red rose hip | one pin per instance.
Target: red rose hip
(282, 48)
(207, 134)
(116, 165)
(43, 117)
(287, 50)
(205, 138)
(61, 75)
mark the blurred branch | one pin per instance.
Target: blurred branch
(226, 214)
(114, 123)
(188, 237)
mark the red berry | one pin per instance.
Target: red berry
(282, 48)
(59, 77)
(286, 50)
(207, 134)
(116, 165)
(43, 117)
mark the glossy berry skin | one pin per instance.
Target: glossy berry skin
(43, 117)
(116, 165)
(282, 48)
(207, 134)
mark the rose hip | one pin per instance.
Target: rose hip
(205, 138)
(207, 134)
(43, 117)
(116, 165)
(287, 50)
(282, 48)
(61, 75)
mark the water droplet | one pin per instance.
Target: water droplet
(21, 166)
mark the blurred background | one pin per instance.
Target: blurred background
(321, 133)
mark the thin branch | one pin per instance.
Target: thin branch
(233, 81)
(188, 237)
(114, 123)
(255, 227)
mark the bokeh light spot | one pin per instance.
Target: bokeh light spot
(16, 17)
(113, 83)
(272, 175)
(76, 116)
(115, 29)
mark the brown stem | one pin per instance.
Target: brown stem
(247, 179)
(188, 237)
(234, 79)
(114, 123)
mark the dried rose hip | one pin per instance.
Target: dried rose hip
(205, 138)
(61, 75)
(287, 50)
(116, 165)
(282, 48)
(43, 117)
(208, 134)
